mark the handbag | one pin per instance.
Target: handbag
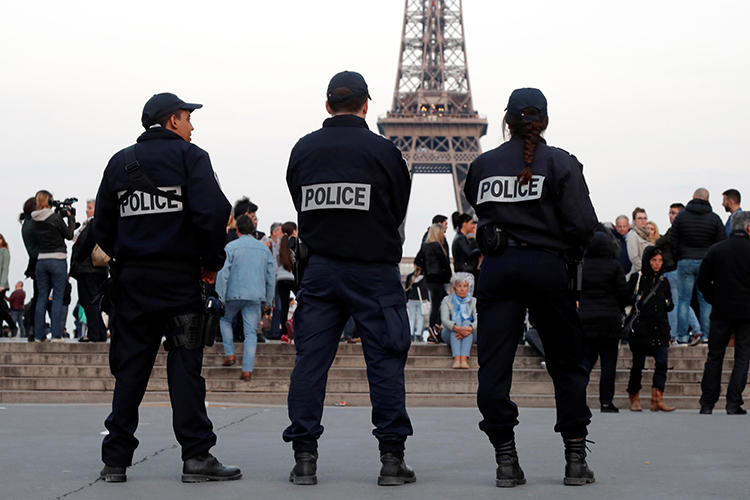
(98, 257)
(632, 317)
(425, 307)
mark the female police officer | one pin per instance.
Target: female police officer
(535, 217)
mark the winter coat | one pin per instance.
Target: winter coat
(437, 265)
(724, 278)
(465, 253)
(651, 329)
(604, 291)
(247, 273)
(695, 229)
(636, 244)
(51, 231)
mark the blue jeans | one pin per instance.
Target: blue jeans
(250, 316)
(17, 315)
(416, 319)
(693, 319)
(687, 272)
(51, 274)
(459, 347)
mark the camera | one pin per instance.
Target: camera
(65, 205)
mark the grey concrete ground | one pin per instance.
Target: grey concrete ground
(52, 451)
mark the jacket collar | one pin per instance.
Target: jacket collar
(158, 133)
(345, 121)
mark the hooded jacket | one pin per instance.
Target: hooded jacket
(695, 229)
(651, 329)
(604, 292)
(51, 231)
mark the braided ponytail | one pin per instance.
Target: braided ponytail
(532, 135)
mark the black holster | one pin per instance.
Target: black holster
(492, 240)
(187, 330)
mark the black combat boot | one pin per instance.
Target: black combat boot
(206, 467)
(577, 472)
(509, 472)
(305, 470)
(394, 471)
(113, 474)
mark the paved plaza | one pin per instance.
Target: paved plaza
(52, 452)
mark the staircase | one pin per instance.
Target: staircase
(79, 373)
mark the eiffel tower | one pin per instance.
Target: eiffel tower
(432, 120)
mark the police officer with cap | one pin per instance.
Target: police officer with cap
(161, 216)
(535, 218)
(344, 176)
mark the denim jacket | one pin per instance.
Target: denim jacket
(248, 272)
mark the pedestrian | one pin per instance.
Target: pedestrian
(693, 232)
(653, 232)
(650, 335)
(344, 176)
(637, 239)
(604, 295)
(4, 286)
(730, 200)
(622, 228)
(245, 284)
(161, 216)
(465, 249)
(275, 235)
(51, 229)
(417, 294)
(458, 315)
(535, 219)
(437, 270)
(16, 301)
(90, 277)
(285, 283)
(724, 280)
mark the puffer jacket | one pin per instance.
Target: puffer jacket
(695, 229)
(604, 291)
(651, 329)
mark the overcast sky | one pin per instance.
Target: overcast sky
(652, 97)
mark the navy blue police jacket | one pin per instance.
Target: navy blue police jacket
(552, 211)
(350, 188)
(145, 227)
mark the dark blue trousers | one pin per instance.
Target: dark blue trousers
(331, 292)
(136, 338)
(509, 283)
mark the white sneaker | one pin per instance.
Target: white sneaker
(58, 340)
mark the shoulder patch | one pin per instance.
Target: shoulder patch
(507, 189)
(342, 195)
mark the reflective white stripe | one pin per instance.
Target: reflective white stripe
(344, 195)
(140, 203)
(507, 189)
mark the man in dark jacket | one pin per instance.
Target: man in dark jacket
(88, 277)
(693, 232)
(724, 280)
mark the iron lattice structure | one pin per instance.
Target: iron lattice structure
(432, 120)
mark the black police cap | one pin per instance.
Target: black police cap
(162, 104)
(521, 99)
(352, 82)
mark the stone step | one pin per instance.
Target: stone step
(412, 400)
(283, 373)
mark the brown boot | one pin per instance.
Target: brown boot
(246, 376)
(228, 361)
(635, 401)
(657, 401)
(456, 362)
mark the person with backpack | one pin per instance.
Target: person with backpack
(650, 332)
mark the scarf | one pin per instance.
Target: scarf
(641, 231)
(462, 310)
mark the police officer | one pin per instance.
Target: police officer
(535, 217)
(344, 176)
(161, 214)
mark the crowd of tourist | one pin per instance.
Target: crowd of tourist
(629, 266)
